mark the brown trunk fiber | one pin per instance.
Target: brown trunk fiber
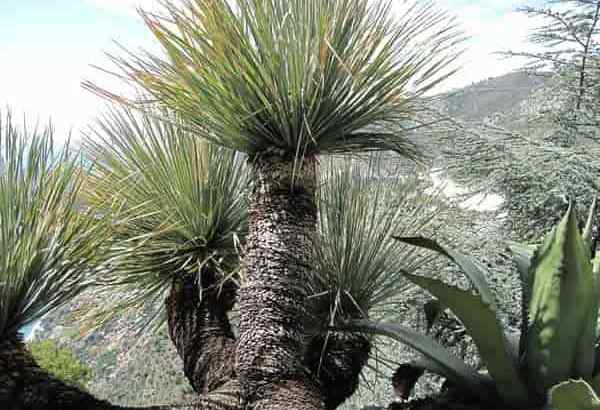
(338, 362)
(200, 330)
(25, 386)
(279, 250)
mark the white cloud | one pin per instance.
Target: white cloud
(492, 28)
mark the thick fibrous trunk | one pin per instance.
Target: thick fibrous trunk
(25, 386)
(337, 361)
(282, 224)
(200, 330)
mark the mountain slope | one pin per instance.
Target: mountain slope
(493, 95)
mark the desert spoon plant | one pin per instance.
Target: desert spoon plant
(284, 82)
(177, 218)
(555, 360)
(47, 252)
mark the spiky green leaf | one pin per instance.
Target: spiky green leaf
(438, 359)
(47, 245)
(589, 225)
(574, 395)
(473, 270)
(559, 341)
(484, 327)
(301, 77)
(523, 256)
(595, 312)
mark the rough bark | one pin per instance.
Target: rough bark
(337, 361)
(279, 250)
(25, 386)
(200, 330)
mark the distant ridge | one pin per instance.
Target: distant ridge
(485, 98)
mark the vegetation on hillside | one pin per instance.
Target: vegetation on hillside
(60, 362)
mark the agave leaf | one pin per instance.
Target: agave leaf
(474, 271)
(437, 358)
(586, 357)
(523, 255)
(574, 395)
(587, 231)
(594, 313)
(595, 383)
(486, 330)
(559, 340)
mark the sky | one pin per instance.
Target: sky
(48, 47)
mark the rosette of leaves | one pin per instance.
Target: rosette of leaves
(561, 291)
(358, 267)
(48, 244)
(178, 206)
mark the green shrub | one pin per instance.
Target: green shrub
(61, 363)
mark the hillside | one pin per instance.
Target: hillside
(494, 95)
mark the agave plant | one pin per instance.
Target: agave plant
(558, 343)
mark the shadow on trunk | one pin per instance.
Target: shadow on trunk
(200, 329)
(337, 362)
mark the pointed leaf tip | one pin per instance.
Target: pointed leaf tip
(476, 273)
(589, 225)
(561, 301)
(574, 395)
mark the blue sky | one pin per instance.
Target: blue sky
(47, 49)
